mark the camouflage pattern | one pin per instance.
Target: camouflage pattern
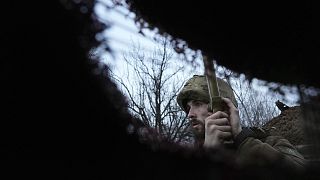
(196, 88)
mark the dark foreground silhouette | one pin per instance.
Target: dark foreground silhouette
(62, 117)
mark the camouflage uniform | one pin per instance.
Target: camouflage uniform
(254, 146)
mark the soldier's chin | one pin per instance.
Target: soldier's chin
(198, 133)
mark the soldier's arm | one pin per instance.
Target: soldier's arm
(272, 150)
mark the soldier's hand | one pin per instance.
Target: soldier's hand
(234, 117)
(217, 130)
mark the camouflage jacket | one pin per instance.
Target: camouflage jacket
(269, 151)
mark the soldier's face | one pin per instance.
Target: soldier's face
(197, 113)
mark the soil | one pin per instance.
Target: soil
(288, 124)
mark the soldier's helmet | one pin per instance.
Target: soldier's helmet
(196, 88)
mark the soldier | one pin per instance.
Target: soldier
(215, 130)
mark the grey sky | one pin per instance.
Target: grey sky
(124, 33)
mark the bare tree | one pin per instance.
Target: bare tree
(256, 108)
(152, 85)
(151, 88)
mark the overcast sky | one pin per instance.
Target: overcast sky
(124, 33)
